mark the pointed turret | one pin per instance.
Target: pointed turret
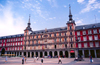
(70, 15)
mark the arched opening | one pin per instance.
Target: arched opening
(28, 54)
(66, 54)
(3, 51)
(32, 54)
(45, 53)
(55, 54)
(50, 53)
(61, 54)
(24, 53)
(36, 54)
(41, 54)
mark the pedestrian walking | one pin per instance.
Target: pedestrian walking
(34, 59)
(6, 59)
(59, 60)
(23, 60)
(91, 59)
(42, 60)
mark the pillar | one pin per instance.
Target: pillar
(16, 53)
(63, 53)
(30, 54)
(89, 53)
(58, 53)
(19, 53)
(68, 54)
(76, 53)
(47, 53)
(22, 54)
(38, 54)
(34, 54)
(95, 53)
(53, 53)
(83, 53)
(43, 53)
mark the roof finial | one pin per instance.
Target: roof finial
(70, 15)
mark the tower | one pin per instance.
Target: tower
(71, 30)
(27, 33)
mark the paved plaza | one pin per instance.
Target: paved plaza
(48, 61)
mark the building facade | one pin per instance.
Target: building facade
(66, 41)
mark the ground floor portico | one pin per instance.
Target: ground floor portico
(70, 53)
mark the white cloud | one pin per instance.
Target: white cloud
(52, 18)
(65, 6)
(53, 3)
(80, 1)
(91, 5)
(10, 25)
(79, 22)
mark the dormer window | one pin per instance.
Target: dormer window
(94, 26)
(83, 27)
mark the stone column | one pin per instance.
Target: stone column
(34, 54)
(38, 54)
(30, 54)
(63, 53)
(19, 53)
(22, 54)
(58, 53)
(16, 53)
(53, 53)
(83, 53)
(76, 53)
(95, 53)
(89, 53)
(69, 54)
(43, 53)
(47, 53)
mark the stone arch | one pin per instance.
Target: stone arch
(55, 53)
(3, 51)
(45, 53)
(50, 53)
(61, 54)
(66, 53)
(41, 54)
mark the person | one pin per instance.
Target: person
(59, 60)
(37, 58)
(90, 59)
(6, 59)
(25, 59)
(34, 59)
(42, 60)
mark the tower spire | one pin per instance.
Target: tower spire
(29, 21)
(70, 15)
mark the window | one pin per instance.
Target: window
(16, 39)
(84, 32)
(16, 43)
(78, 33)
(85, 45)
(8, 48)
(79, 39)
(90, 38)
(15, 48)
(18, 48)
(65, 45)
(91, 44)
(96, 37)
(79, 45)
(13, 44)
(99, 30)
(83, 27)
(84, 39)
(95, 31)
(70, 33)
(71, 39)
(21, 43)
(71, 45)
(70, 27)
(96, 44)
(89, 32)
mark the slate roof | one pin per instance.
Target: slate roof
(89, 26)
(12, 36)
(81, 27)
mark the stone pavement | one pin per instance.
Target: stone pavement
(48, 61)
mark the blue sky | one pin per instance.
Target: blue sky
(14, 14)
